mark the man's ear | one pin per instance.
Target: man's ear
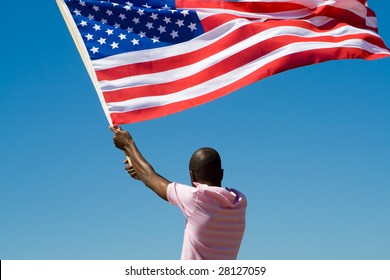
(193, 178)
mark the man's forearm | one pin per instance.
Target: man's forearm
(145, 172)
(143, 169)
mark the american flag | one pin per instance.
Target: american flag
(148, 59)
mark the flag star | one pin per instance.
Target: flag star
(77, 12)
(129, 29)
(83, 23)
(96, 8)
(136, 20)
(140, 12)
(110, 31)
(155, 39)
(146, 6)
(91, 17)
(172, 11)
(82, 3)
(102, 41)
(192, 26)
(180, 22)
(154, 16)
(149, 25)
(161, 29)
(89, 37)
(166, 7)
(185, 12)
(167, 20)
(117, 25)
(96, 27)
(122, 36)
(174, 34)
(135, 42)
(114, 4)
(142, 34)
(104, 21)
(94, 50)
(129, 3)
(109, 12)
(127, 8)
(122, 16)
(114, 45)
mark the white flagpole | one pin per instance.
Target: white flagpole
(85, 57)
(83, 53)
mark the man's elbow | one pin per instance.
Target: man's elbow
(159, 185)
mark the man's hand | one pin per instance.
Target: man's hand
(122, 138)
(130, 169)
(137, 166)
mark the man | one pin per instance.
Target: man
(215, 215)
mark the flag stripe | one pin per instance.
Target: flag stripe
(247, 6)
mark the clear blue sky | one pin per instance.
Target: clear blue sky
(309, 147)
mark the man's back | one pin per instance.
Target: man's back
(215, 216)
(215, 220)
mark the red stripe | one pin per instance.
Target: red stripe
(251, 7)
(216, 20)
(342, 15)
(277, 66)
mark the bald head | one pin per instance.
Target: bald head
(206, 167)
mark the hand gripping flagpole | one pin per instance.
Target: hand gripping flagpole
(115, 129)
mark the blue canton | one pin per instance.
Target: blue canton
(110, 28)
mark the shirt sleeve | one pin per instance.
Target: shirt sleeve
(185, 197)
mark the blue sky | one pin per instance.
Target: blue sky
(310, 148)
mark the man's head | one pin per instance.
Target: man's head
(206, 168)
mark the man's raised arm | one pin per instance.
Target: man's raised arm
(139, 168)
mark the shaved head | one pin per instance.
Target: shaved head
(205, 167)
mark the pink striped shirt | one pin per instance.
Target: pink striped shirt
(215, 220)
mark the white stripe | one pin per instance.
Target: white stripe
(372, 22)
(319, 21)
(235, 75)
(189, 70)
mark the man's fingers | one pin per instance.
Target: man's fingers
(115, 129)
(131, 172)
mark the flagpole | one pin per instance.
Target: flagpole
(83, 53)
(85, 57)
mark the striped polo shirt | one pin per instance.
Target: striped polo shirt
(215, 220)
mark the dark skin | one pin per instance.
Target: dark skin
(139, 168)
(205, 165)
